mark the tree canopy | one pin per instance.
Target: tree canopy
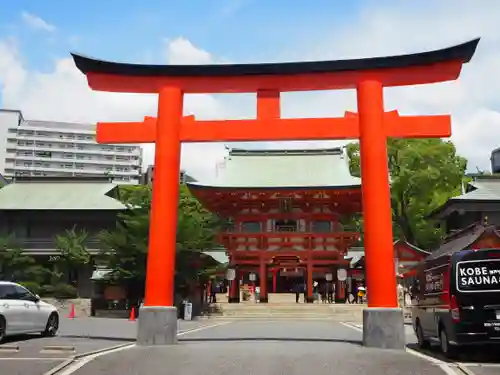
(424, 174)
(125, 247)
(17, 266)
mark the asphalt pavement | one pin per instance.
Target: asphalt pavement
(35, 355)
(256, 347)
(229, 348)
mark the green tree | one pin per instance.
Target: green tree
(17, 266)
(424, 174)
(125, 248)
(72, 246)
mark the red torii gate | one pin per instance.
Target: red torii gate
(371, 125)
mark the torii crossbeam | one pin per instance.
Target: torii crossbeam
(346, 127)
(371, 125)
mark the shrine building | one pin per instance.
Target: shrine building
(283, 209)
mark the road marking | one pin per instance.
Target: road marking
(69, 368)
(9, 348)
(445, 366)
(202, 328)
(33, 359)
(54, 349)
(466, 370)
(352, 326)
(75, 366)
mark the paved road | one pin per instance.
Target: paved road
(84, 335)
(245, 348)
(477, 361)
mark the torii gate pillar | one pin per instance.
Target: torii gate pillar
(158, 318)
(382, 321)
(383, 325)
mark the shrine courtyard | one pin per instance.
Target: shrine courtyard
(265, 347)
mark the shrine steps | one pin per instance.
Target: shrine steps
(251, 310)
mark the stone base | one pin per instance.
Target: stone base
(263, 299)
(309, 299)
(157, 326)
(233, 299)
(384, 328)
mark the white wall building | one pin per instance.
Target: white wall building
(48, 148)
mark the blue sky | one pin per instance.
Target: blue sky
(132, 30)
(37, 76)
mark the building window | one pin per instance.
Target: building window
(322, 226)
(250, 227)
(43, 154)
(285, 225)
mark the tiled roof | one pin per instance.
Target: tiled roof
(284, 168)
(463, 239)
(59, 196)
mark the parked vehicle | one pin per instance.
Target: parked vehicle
(457, 300)
(23, 312)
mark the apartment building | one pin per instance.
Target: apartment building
(62, 149)
(147, 176)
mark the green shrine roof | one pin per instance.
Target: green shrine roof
(59, 196)
(268, 168)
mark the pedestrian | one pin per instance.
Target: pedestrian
(323, 291)
(315, 291)
(296, 289)
(213, 293)
(330, 292)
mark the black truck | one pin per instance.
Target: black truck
(456, 300)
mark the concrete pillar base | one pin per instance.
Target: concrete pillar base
(157, 326)
(384, 328)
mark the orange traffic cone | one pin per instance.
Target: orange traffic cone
(132, 314)
(72, 312)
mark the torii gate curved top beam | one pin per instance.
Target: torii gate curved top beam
(418, 68)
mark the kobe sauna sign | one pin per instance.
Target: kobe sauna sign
(371, 125)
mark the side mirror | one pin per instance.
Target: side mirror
(36, 298)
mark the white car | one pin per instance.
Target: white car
(23, 312)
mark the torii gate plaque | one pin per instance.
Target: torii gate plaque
(383, 321)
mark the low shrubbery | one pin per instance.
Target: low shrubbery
(60, 291)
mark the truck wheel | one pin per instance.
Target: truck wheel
(448, 350)
(421, 340)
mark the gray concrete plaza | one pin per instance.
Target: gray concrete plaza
(229, 348)
(83, 334)
(279, 347)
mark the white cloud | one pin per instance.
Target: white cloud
(62, 94)
(181, 51)
(37, 22)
